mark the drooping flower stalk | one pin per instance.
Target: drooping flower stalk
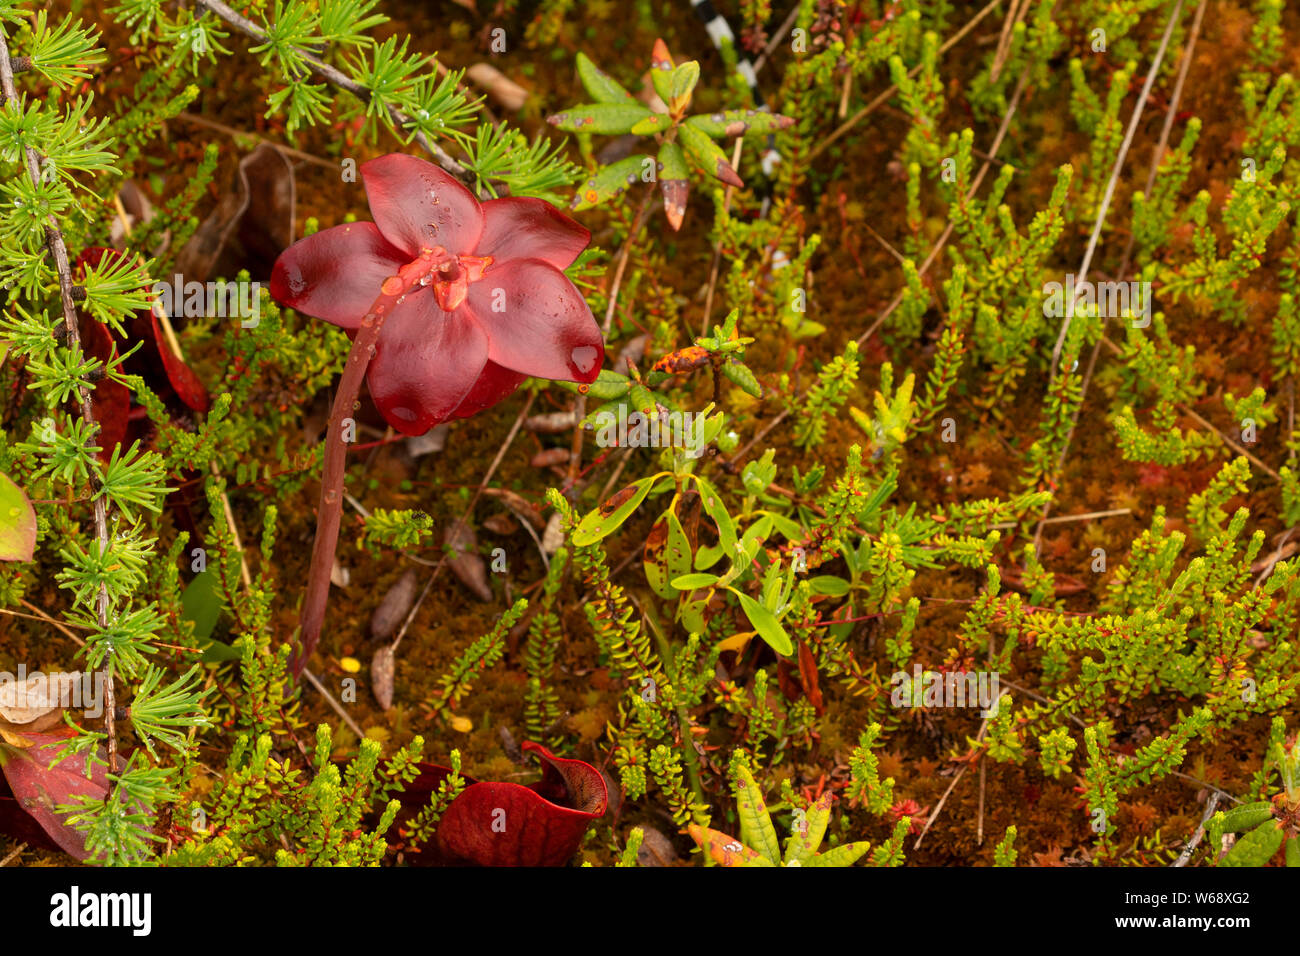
(330, 511)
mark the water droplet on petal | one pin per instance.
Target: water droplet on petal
(392, 285)
(583, 358)
(405, 414)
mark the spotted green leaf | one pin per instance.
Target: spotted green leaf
(600, 86)
(611, 514)
(706, 155)
(711, 501)
(844, 855)
(739, 123)
(756, 830)
(610, 181)
(807, 831)
(654, 123)
(667, 555)
(605, 118)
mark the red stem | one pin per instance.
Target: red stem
(330, 512)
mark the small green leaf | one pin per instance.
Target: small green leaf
(654, 123)
(739, 123)
(693, 582)
(681, 84)
(711, 501)
(672, 162)
(706, 155)
(1293, 852)
(829, 584)
(201, 605)
(17, 523)
(765, 622)
(741, 374)
(600, 86)
(1257, 847)
(1247, 816)
(609, 181)
(844, 855)
(609, 385)
(609, 516)
(606, 118)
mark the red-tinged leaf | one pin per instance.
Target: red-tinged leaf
(808, 677)
(98, 342)
(506, 824)
(182, 378)
(706, 155)
(674, 181)
(660, 58)
(39, 787)
(110, 400)
(725, 850)
(17, 523)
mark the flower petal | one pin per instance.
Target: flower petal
(520, 227)
(537, 322)
(426, 363)
(419, 205)
(494, 384)
(335, 274)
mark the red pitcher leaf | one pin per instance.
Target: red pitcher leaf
(189, 389)
(157, 362)
(17, 523)
(39, 787)
(505, 824)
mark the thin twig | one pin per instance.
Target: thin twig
(17, 850)
(59, 251)
(934, 814)
(1200, 830)
(344, 82)
(1082, 275)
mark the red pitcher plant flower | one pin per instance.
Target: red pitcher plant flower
(450, 304)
